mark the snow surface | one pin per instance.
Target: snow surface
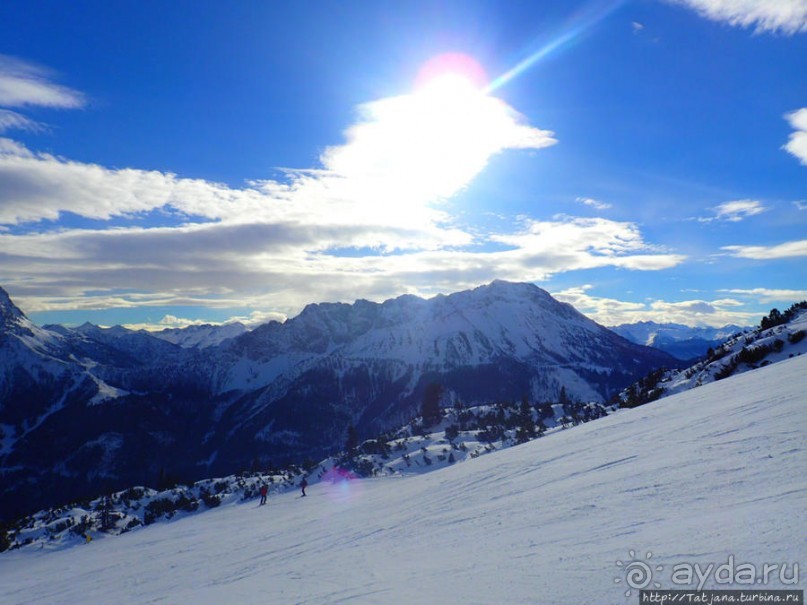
(693, 478)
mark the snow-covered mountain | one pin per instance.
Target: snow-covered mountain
(201, 336)
(89, 410)
(780, 336)
(709, 477)
(680, 341)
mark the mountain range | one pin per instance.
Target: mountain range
(88, 410)
(680, 341)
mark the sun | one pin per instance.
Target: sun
(451, 69)
(425, 146)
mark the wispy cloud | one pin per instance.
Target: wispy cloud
(769, 295)
(11, 120)
(797, 144)
(784, 250)
(26, 84)
(734, 211)
(596, 204)
(800, 204)
(636, 27)
(697, 312)
(782, 16)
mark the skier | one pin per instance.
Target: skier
(303, 485)
(264, 491)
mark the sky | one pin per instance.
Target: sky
(165, 164)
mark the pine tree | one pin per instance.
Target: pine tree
(526, 428)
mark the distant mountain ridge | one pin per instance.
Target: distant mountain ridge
(780, 336)
(90, 409)
(680, 341)
(201, 336)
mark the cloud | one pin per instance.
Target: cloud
(369, 221)
(800, 204)
(24, 84)
(11, 120)
(783, 16)
(797, 144)
(282, 267)
(735, 211)
(37, 186)
(596, 204)
(636, 27)
(785, 250)
(426, 146)
(613, 312)
(768, 295)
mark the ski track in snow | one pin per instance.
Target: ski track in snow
(696, 477)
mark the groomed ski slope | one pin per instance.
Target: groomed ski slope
(694, 478)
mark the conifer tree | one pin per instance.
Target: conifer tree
(526, 428)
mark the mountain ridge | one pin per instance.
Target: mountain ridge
(90, 408)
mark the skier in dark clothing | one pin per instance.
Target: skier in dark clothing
(303, 485)
(264, 491)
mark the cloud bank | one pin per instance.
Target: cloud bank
(694, 313)
(370, 221)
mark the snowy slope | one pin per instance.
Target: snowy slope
(745, 351)
(694, 478)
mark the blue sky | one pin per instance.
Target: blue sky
(163, 164)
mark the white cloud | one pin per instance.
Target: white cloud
(36, 186)
(282, 267)
(784, 250)
(368, 222)
(800, 204)
(636, 26)
(423, 146)
(797, 144)
(784, 16)
(11, 120)
(768, 295)
(26, 84)
(596, 204)
(734, 211)
(612, 312)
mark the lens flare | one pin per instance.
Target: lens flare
(451, 66)
(341, 485)
(582, 21)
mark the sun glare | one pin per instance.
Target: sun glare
(426, 146)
